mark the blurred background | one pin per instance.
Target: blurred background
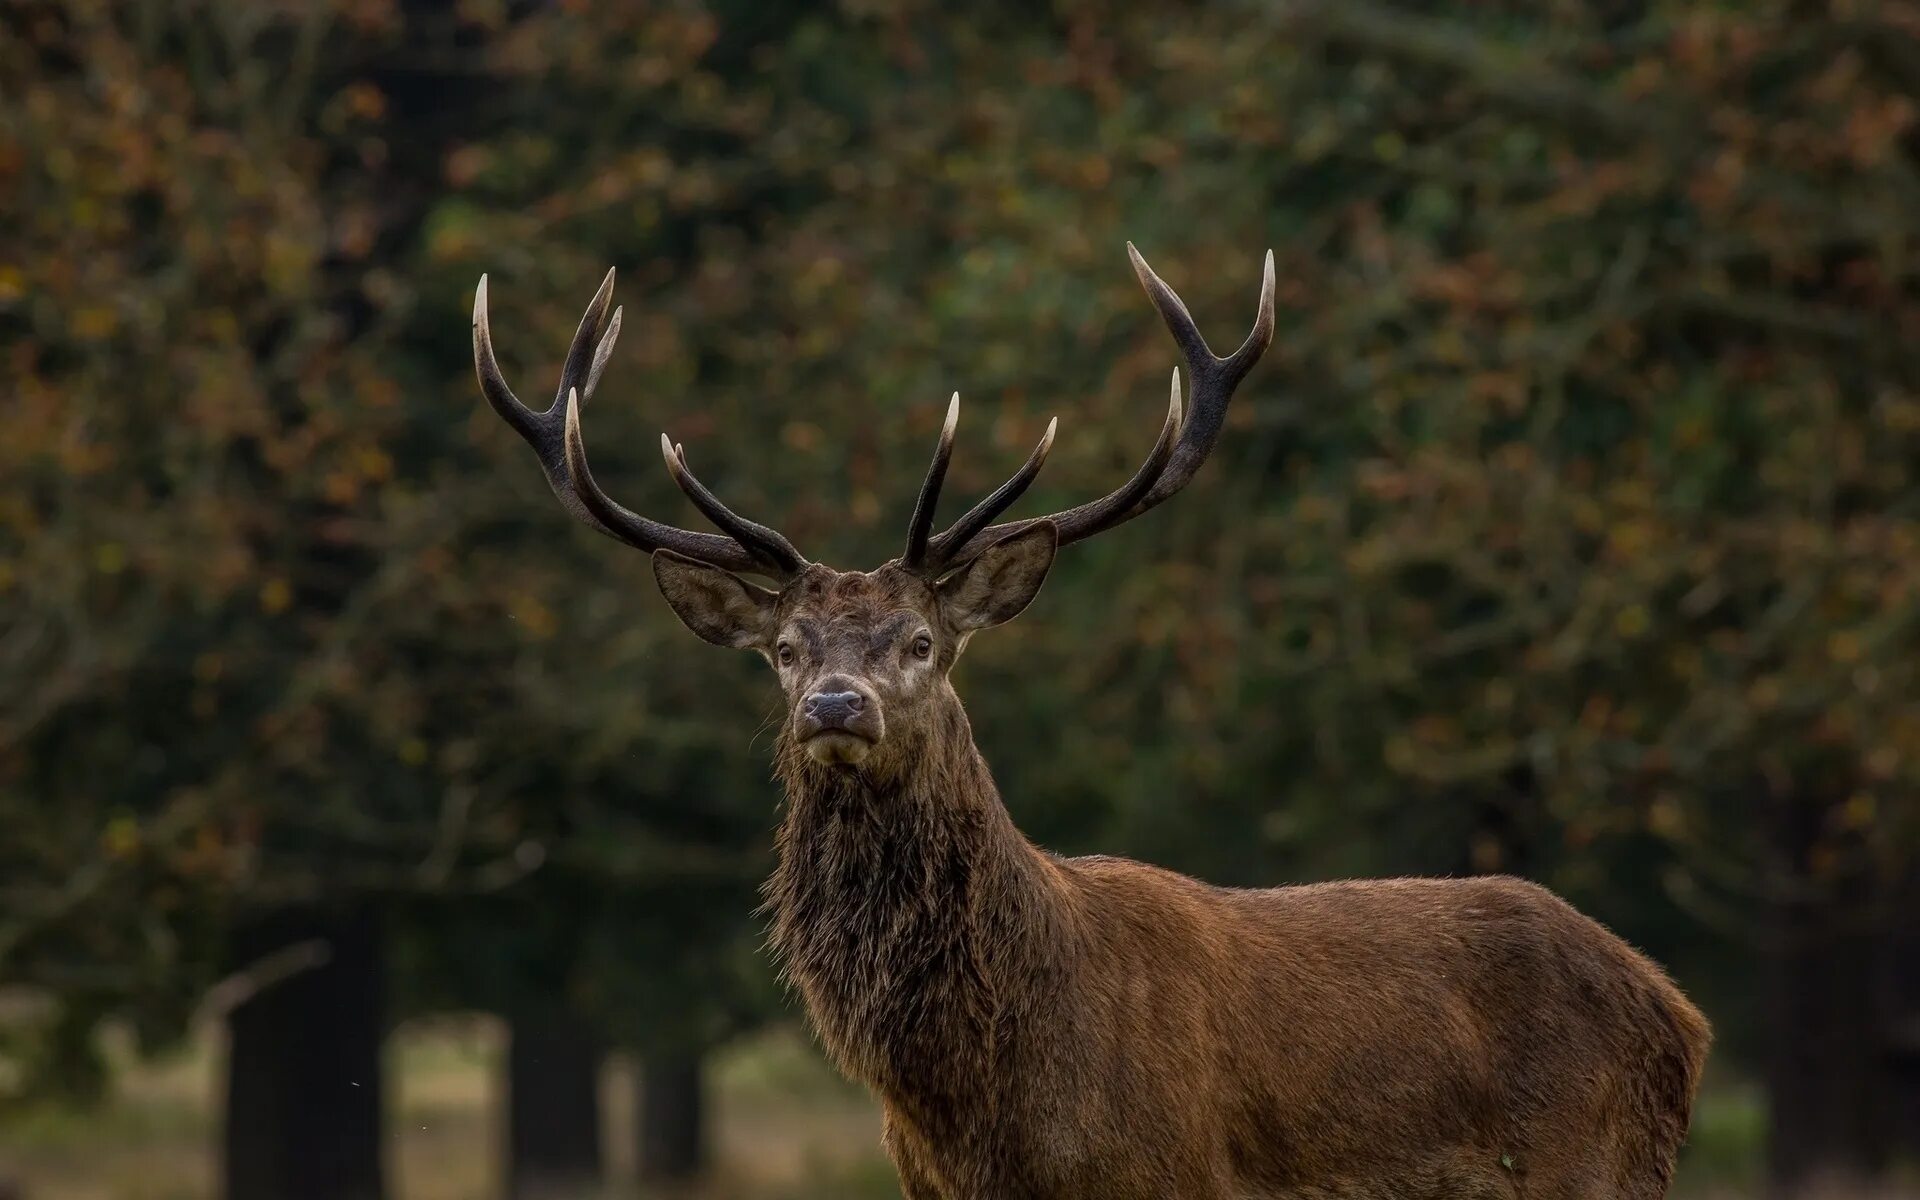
(371, 829)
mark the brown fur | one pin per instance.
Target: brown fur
(1038, 1026)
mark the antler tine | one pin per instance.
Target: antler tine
(765, 544)
(601, 354)
(921, 527)
(1169, 467)
(545, 431)
(555, 438)
(493, 384)
(1214, 379)
(1123, 500)
(588, 348)
(637, 531)
(997, 502)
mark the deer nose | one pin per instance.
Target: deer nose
(834, 709)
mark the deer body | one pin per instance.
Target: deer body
(1099, 1028)
(1040, 1028)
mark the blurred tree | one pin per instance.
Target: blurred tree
(243, 587)
(671, 1103)
(304, 1097)
(552, 1088)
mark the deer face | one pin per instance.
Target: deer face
(862, 656)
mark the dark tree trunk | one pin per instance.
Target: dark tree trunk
(672, 1113)
(553, 1108)
(1828, 1084)
(1903, 1025)
(303, 1110)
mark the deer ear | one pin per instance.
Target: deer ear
(718, 605)
(995, 587)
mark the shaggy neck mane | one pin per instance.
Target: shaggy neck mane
(916, 921)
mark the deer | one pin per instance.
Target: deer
(1038, 1027)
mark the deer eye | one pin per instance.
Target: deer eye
(785, 654)
(922, 646)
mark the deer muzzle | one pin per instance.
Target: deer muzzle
(839, 722)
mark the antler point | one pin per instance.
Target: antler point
(602, 297)
(1148, 279)
(573, 445)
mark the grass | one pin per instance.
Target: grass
(785, 1128)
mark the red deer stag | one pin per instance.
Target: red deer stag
(1099, 1029)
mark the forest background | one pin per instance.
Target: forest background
(1570, 529)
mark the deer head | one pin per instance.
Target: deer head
(863, 656)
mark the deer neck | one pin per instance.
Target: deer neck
(911, 914)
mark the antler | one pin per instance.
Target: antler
(555, 437)
(1182, 446)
